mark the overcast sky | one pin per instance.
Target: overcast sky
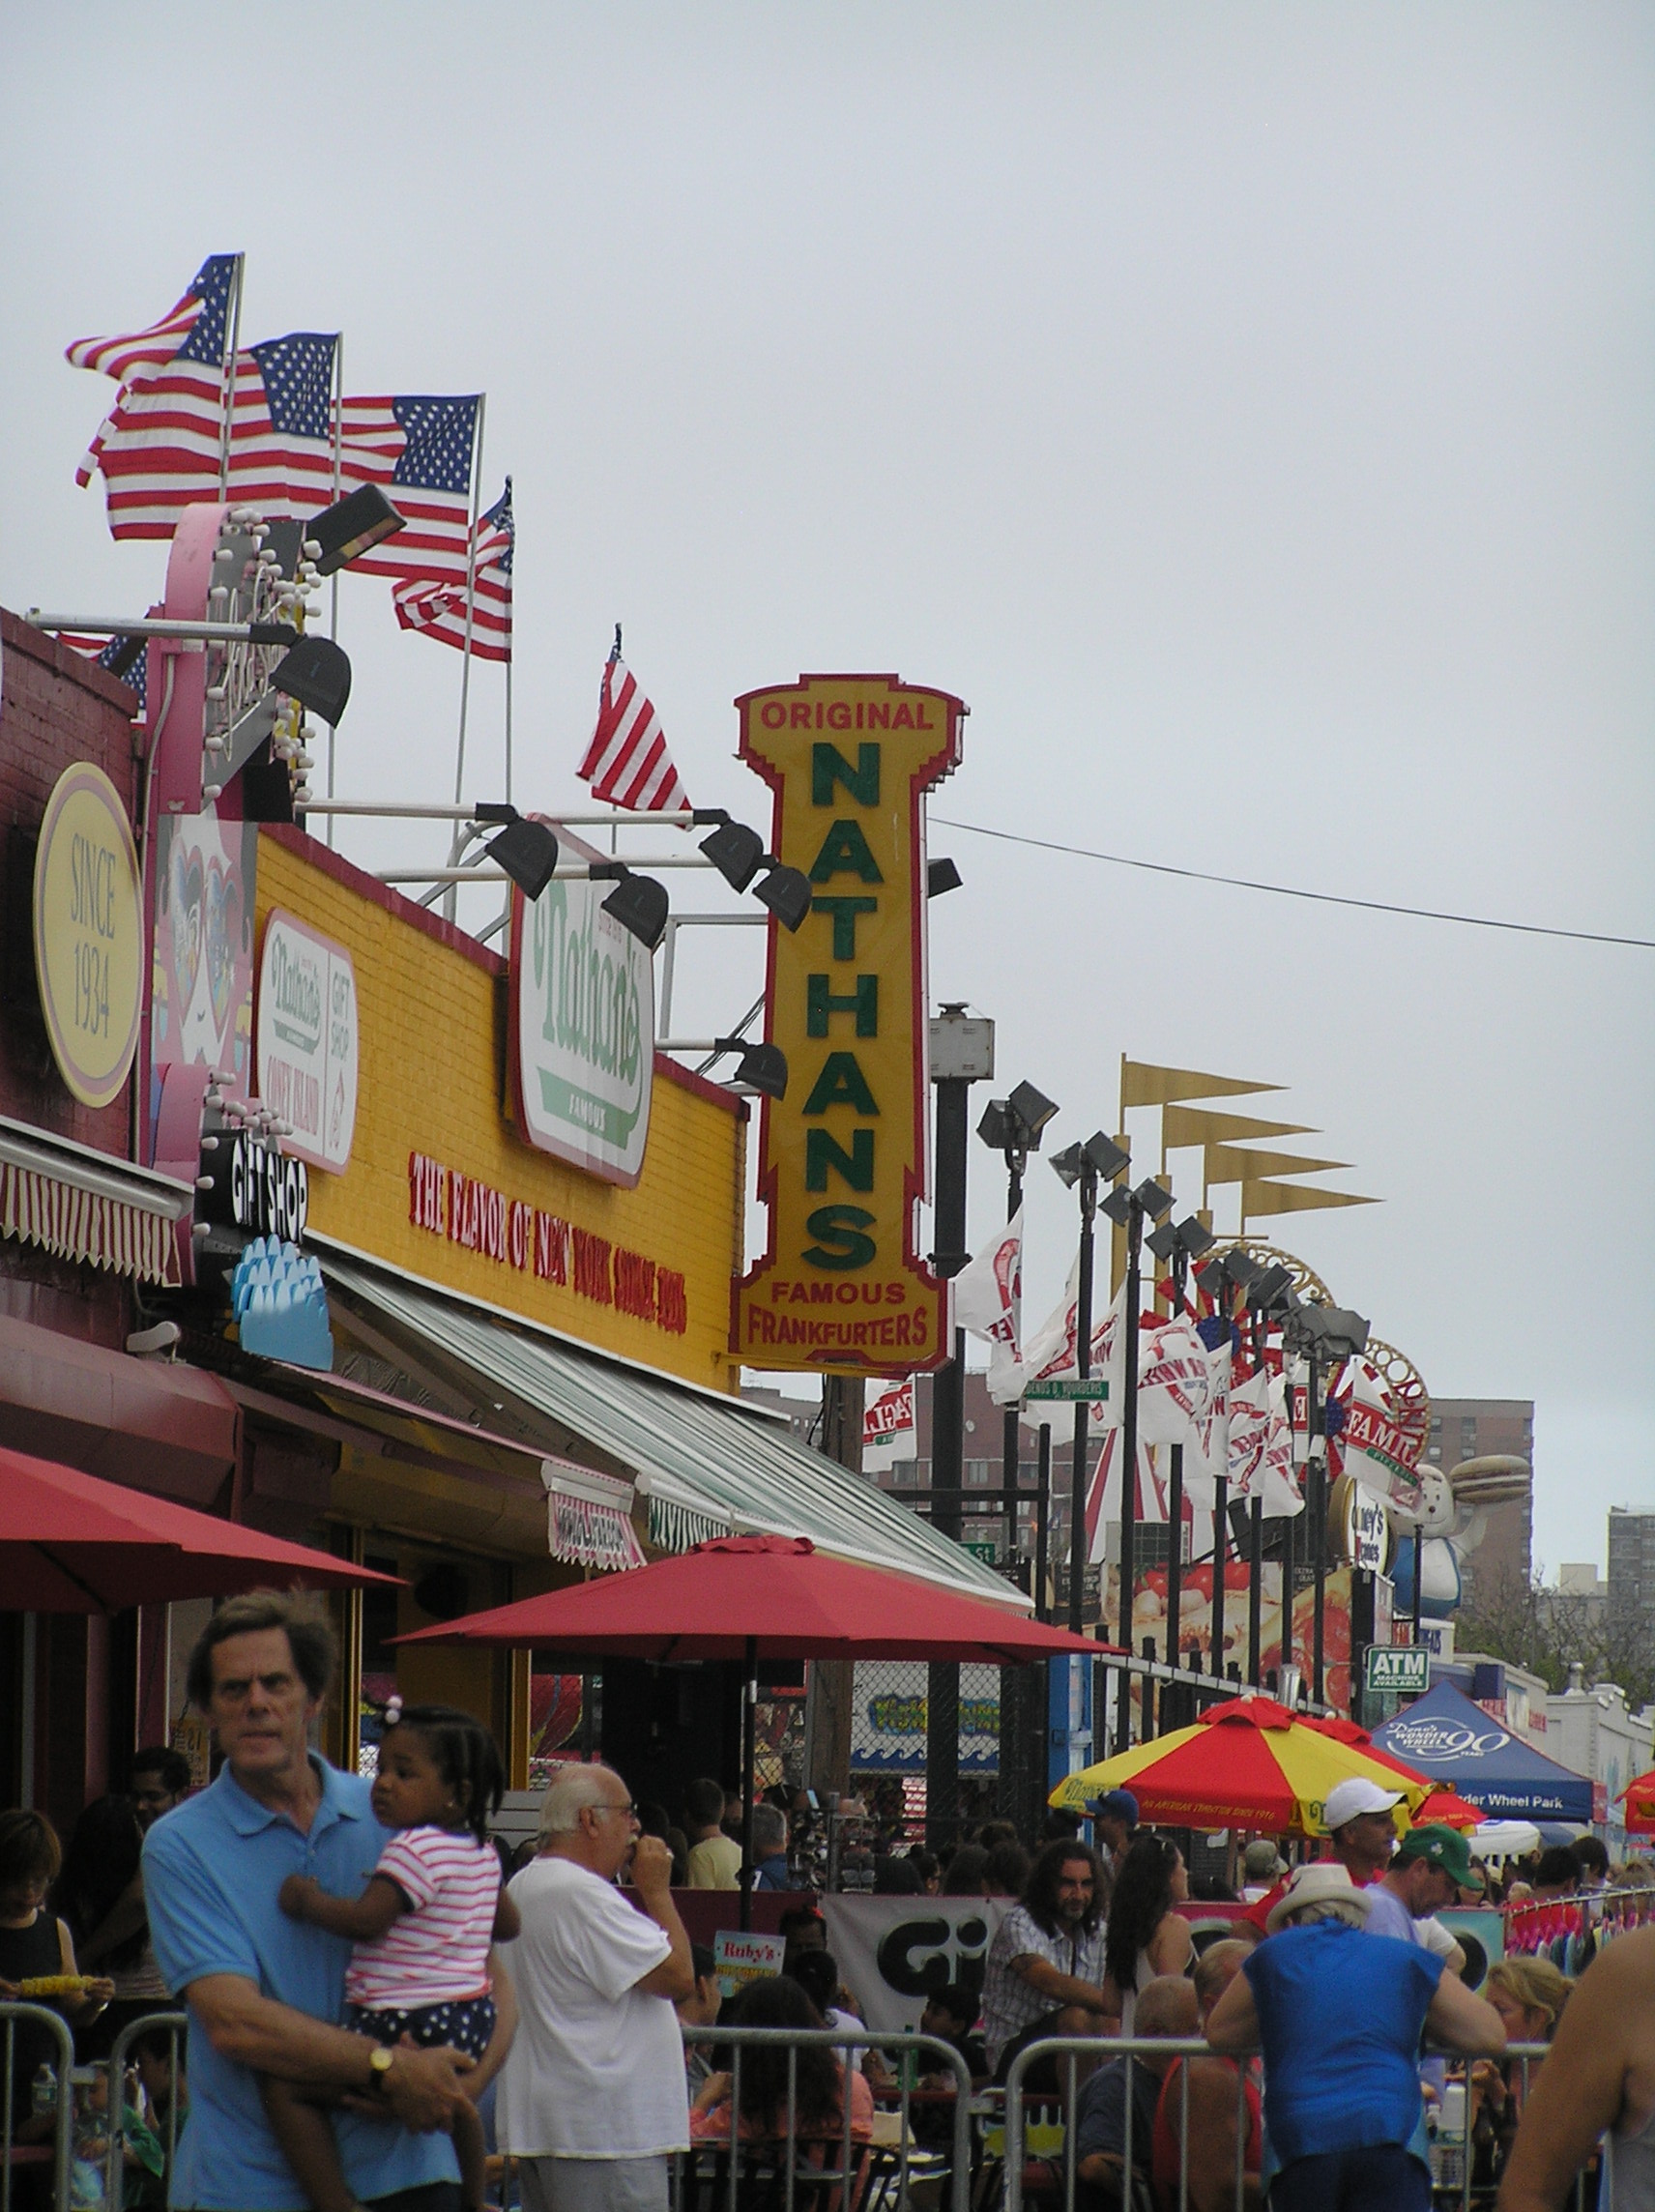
(1249, 410)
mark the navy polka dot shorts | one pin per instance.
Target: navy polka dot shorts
(465, 2022)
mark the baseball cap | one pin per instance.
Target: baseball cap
(1348, 1799)
(1115, 1805)
(1445, 1848)
(1260, 1861)
(1323, 1883)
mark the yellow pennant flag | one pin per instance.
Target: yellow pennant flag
(1260, 1200)
(1198, 1126)
(1144, 1085)
(1240, 1163)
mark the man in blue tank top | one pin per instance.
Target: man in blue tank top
(1338, 2016)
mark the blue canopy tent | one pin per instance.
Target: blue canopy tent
(1446, 1737)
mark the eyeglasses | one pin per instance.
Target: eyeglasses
(629, 1809)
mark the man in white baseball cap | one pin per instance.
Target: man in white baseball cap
(1361, 1830)
(1360, 1823)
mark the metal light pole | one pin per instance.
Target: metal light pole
(1081, 1167)
(1014, 1126)
(1130, 1209)
(962, 1053)
(1178, 1247)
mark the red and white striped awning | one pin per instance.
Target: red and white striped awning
(82, 1205)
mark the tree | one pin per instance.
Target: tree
(1548, 1631)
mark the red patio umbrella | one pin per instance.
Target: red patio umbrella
(1639, 1798)
(761, 1597)
(1444, 1805)
(70, 1543)
(764, 1597)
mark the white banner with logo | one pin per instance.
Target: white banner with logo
(306, 1039)
(583, 1027)
(888, 1425)
(892, 1951)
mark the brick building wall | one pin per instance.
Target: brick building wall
(56, 708)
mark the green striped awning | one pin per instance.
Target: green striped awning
(706, 1463)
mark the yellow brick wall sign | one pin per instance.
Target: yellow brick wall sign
(843, 1158)
(439, 1181)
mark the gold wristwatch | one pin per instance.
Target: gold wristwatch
(380, 2060)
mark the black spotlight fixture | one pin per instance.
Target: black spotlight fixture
(1271, 1291)
(739, 855)
(1033, 1109)
(339, 533)
(735, 850)
(528, 852)
(942, 876)
(318, 675)
(786, 891)
(638, 903)
(762, 1066)
(1163, 1242)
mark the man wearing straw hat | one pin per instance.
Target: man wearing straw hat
(1339, 2015)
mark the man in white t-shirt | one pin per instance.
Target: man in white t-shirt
(593, 2100)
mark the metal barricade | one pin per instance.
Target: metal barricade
(740, 2172)
(174, 2026)
(1453, 2155)
(16, 2156)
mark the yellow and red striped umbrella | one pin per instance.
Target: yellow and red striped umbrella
(1247, 1764)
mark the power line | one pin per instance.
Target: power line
(1292, 891)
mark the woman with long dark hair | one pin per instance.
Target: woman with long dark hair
(1146, 1936)
(99, 1893)
(818, 2083)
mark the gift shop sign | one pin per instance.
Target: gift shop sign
(307, 1039)
(842, 1159)
(582, 1048)
(88, 933)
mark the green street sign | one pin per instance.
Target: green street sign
(1068, 1389)
(1404, 1670)
(987, 1550)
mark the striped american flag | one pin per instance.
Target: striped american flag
(628, 764)
(195, 329)
(439, 610)
(159, 449)
(106, 651)
(419, 451)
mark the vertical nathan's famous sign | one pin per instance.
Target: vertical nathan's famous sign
(842, 1161)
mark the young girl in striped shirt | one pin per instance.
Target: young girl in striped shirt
(421, 1929)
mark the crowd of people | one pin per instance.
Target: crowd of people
(381, 1999)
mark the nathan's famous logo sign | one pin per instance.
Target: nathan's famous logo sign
(583, 1029)
(843, 1157)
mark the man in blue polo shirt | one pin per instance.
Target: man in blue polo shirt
(264, 1992)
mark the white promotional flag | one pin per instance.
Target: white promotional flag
(1174, 1381)
(1260, 1456)
(1206, 1453)
(1109, 1360)
(1371, 1443)
(988, 1291)
(888, 1425)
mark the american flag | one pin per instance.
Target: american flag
(159, 449)
(627, 763)
(106, 651)
(194, 330)
(418, 450)
(440, 609)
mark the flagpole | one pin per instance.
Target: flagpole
(507, 724)
(338, 459)
(451, 900)
(228, 376)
